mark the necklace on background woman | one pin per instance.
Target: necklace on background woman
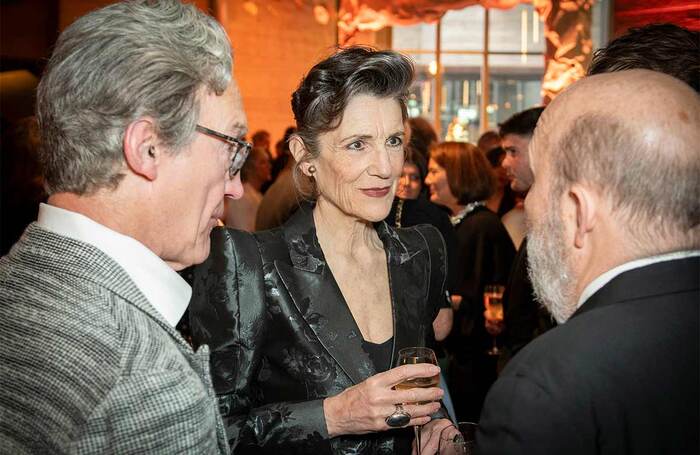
(456, 219)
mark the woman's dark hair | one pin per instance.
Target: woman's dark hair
(489, 140)
(322, 96)
(423, 135)
(469, 174)
(415, 158)
(495, 156)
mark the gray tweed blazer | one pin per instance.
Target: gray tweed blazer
(87, 365)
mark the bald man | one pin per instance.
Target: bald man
(614, 218)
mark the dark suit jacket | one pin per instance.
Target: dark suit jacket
(283, 339)
(620, 377)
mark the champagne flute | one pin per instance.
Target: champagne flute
(493, 302)
(414, 355)
(458, 439)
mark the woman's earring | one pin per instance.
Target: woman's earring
(312, 170)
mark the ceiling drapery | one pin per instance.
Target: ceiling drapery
(567, 28)
(362, 15)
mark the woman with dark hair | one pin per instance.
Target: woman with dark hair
(461, 179)
(305, 321)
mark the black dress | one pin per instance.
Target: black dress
(485, 253)
(283, 339)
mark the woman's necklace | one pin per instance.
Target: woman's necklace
(456, 219)
(399, 211)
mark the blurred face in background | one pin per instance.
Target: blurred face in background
(436, 180)
(410, 183)
(263, 167)
(257, 169)
(516, 162)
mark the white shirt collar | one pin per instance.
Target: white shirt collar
(595, 285)
(165, 290)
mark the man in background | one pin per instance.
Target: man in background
(139, 120)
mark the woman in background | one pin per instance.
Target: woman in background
(461, 179)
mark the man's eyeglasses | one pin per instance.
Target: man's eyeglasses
(239, 149)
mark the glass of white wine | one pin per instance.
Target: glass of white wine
(493, 302)
(414, 355)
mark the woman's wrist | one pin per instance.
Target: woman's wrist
(332, 411)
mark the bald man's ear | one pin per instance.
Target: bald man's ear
(587, 206)
(140, 150)
(298, 149)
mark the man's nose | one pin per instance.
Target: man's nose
(506, 162)
(234, 187)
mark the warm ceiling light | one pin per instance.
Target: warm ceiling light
(432, 68)
(321, 14)
(250, 8)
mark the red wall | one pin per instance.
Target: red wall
(636, 13)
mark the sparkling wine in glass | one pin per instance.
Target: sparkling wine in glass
(493, 302)
(414, 355)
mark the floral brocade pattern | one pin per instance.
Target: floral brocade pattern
(283, 339)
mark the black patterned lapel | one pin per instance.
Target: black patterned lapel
(409, 271)
(317, 296)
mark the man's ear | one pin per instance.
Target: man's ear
(298, 149)
(140, 150)
(587, 206)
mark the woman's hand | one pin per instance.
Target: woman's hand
(442, 325)
(430, 436)
(364, 407)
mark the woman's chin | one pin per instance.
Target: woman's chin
(376, 213)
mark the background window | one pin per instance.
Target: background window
(473, 45)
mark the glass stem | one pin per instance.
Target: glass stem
(416, 431)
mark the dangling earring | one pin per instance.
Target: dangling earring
(312, 170)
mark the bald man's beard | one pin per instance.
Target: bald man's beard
(549, 266)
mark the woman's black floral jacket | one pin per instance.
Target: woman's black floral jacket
(283, 339)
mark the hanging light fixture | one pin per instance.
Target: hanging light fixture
(321, 14)
(250, 8)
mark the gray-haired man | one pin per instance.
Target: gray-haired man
(140, 120)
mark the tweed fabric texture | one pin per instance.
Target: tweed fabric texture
(87, 365)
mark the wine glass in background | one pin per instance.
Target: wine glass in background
(493, 302)
(414, 355)
(458, 439)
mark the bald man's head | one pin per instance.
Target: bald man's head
(636, 136)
